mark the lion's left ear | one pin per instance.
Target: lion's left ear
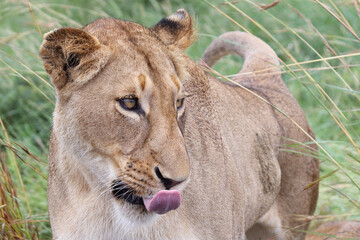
(176, 29)
(71, 55)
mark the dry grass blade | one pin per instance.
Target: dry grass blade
(51, 13)
(329, 47)
(301, 153)
(341, 15)
(322, 217)
(27, 152)
(348, 27)
(227, 16)
(95, 13)
(356, 5)
(290, 70)
(12, 224)
(258, 72)
(304, 147)
(354, 202)
(325, 59)
(33, 15)
(320, 179)
(22, 64)
(17, 48)
(15, 151)
(233, 2)
(343, 128)
(16, 166)
(30, 221)
(270, 5)
(28, 81)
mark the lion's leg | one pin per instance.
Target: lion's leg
(267, 227)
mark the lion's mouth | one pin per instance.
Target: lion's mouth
(121, 191)
(162, 202)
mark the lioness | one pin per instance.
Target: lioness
(139, 130)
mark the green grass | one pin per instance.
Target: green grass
(298, 30)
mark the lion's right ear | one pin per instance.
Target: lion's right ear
(72, 55)
(176, 29)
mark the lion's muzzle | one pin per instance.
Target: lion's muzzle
(161, 203)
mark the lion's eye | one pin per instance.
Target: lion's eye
(130, 103)
(179, 103)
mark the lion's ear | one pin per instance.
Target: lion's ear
(176, 29)
(72, 55)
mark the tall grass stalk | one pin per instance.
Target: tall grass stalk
(14, 225)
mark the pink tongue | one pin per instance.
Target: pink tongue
(163, 202)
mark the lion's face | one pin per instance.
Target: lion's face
(119, 101)
(130, 113)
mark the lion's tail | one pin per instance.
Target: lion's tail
(260, 60)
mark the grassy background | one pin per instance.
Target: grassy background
(299, 31)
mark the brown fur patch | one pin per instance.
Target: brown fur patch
(142, 81)
(176, 81)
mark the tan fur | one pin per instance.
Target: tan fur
(336, 230)
(222, 145)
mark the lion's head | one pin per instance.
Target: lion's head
(119, 103)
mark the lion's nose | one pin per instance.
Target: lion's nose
(168, 183)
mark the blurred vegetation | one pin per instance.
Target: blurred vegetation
(317, 42)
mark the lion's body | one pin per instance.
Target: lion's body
(240, 181)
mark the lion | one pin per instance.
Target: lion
(145, 144)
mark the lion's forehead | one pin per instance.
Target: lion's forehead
(112, 32)
(144, 69)
(140, 60)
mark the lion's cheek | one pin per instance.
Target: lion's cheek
(114, 134)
